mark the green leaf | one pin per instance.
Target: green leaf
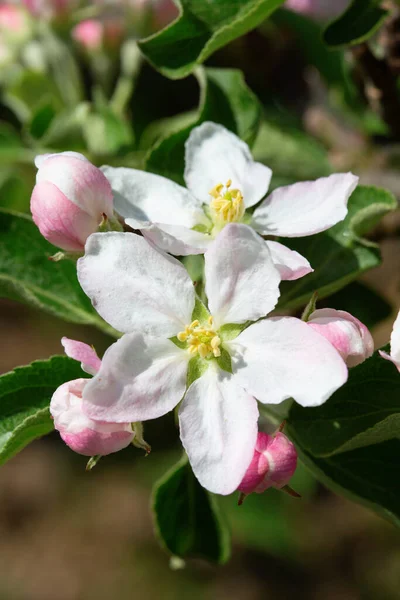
(224, 98)
(25, 395)
(339, 255)
(27, 274)
(202, 28)
(366, 475)
(186, 517)
(291, 154)
(358, 23)
(362, 302)
(29, 92)
(365, 411)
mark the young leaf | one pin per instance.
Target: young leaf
(186, 517)
(27, 274)
(358, 23)
(290, 153)
(25, 394)
(202, 28)
(365, 411)
(366, 475)
(224, 98)
(339, 255)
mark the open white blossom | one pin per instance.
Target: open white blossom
(171, 340)
(223, 182)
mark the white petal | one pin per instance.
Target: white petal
(281, 358)
(290, 264)
(134, 286)
(140, 378)
(175, 239)
(242, 283)
(148, 197)
(305, 208)
(218, 425)
(395, 340)
(214, 155)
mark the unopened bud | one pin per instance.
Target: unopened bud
(348, 335)
(273, 464)
(70, 199)
(82, 434)
(89, 34)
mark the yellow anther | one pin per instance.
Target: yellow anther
(226, 207)
(201, 340)
(210, 320)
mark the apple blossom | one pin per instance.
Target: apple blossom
(273, 464)
(70, 199)
(223, 182)
(394, 355)
(174, 349)
(348, 335)
(82, 434)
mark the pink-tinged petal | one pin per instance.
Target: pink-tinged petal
(387, 356)
(347, 334)
(61, 222)
(282, 357)
(134, 286)
(174, 239)
(218, 428)
(290, 264)
(273, 464)
(213, 155)
(40, 158)
(80, 181)
(242, 282)
(305, 208)
(147, 197)
(79, 432)
(140, 378)
(83, 353)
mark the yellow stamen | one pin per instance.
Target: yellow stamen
(226, 207)
(201, 340)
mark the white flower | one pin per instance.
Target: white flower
(223, 182)
(394, 355)
(169, 335)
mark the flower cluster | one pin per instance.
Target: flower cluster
(214, 356)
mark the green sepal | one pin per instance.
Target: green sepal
(230, 331)
(224, 361)
(196, 368)
(200, 312)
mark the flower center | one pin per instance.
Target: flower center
(202, 340)
(227, 205)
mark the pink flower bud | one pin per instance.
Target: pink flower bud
(79, 432)
(15, 24)
(273, 464)
(70, 199)
(348, 335)
(89, 34)
(318, 9)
